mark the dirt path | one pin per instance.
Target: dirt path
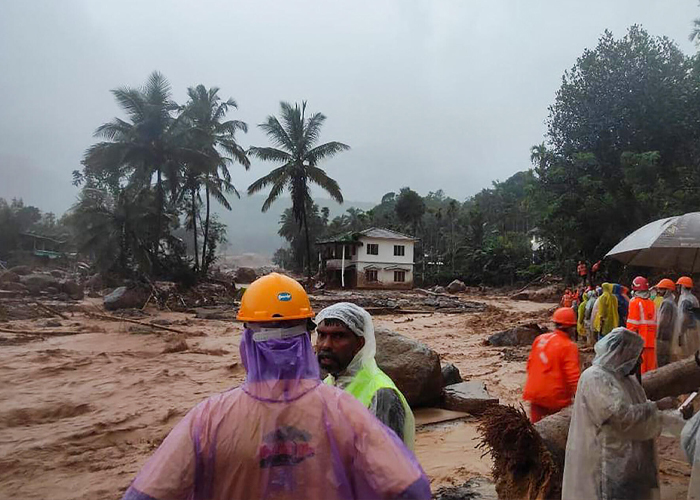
(81, 413)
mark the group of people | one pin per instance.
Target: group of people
(610, 450)
(285, 433)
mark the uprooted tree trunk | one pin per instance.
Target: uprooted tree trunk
(529, 459)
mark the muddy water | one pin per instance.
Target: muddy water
(80, 414)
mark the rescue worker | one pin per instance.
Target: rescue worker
(686, 340)
(607, 316)
(283, 434)
(623, 301)
(610, 451)
(567, 299)
(553, 367)
(582, 271)
(642, 320)
(665, 321)
(345, 347)
(655, 297)
(690, 442)
(588, 320)
(581, 316)
(595, 268)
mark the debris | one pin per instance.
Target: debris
(521, 335)
(14, 286)
(550, 293)
(9, 277)
(462, 492)
(39, 332)
(414, 367)
(456, 286)
(74, 290)
(220, 313)
(21, 270)
(450, 375)
(51, 310)
(471, 397)
(36, 283)
(178, 346)
(152, 325)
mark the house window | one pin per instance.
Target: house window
(399, 276)
(371, 275)
(399, 250)
(372, 249)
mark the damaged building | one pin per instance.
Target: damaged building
(373, 258)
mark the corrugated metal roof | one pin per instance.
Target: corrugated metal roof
(378, 232)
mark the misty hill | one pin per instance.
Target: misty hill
(250, 230)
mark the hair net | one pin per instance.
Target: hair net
(619, 351)
(283, 434)
(360, 322)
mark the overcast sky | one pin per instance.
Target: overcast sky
(428, 93)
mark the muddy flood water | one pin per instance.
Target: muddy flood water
(81, 412)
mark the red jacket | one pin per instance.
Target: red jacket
(552, 371)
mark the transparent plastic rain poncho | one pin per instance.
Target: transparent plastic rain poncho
(686, 334)
(689, 442)
(588, 315)
(388, 405)
(610, 451)
(665, 326)
(282, 435)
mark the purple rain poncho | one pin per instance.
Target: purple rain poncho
(282, 435)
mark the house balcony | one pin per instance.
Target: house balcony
(333, 264)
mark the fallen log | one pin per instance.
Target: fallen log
(40, 333)
(529, 459)
(51, 310)
(142, 323)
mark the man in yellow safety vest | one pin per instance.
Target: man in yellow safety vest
(345, 348)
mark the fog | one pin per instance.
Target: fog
(432, 94)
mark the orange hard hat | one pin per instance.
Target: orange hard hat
(274, 297)
(685, 281)
(666, 284)
(640, 284)
(564, 316)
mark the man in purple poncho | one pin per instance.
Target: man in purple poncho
(283, 434)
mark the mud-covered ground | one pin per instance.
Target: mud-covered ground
(80, 413)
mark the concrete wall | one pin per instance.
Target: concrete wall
(386, 251)
(385, 277)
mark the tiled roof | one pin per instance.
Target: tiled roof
(378, 232)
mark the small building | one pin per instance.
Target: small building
(373, 258)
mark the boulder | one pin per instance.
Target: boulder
(471, 397)
(551, 293)
(37, 283)
(9, 277)
(74, 290)
(440, 289)
(456, 286)
(414, 367)
(94, 283)
(245, 275)
(57, 273)
(450, 375)
(125, 298)
(521, 335)
(15, 287)
(21, 270)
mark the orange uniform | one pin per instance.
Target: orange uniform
(567, 299)
(552, 373)
(641, 319)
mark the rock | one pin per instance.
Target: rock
(414, 368)
(74, 290)
(52, 290)
(456, 286)
(21, 270)
(520, 335)
(450, 375)
(520, 296)
(15, 287)
(220, 313)
(52, 323)
(440, 289)
(57, 273)
(551, 293)
(471, 397)
(178, 346)
(245, 275)
(37, 283)
(94, 283)
(125, 298)
(9, 277)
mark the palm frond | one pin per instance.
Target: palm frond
(132, 101)
(269, 154)
(117, 129)
(313, 130)
(326, 150)
(277, 134)
(275, 192)
(320, 178)
(278, 175)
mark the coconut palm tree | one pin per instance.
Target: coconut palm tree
(215, 141)
(144, 146)
(294, 146)
(695, 33)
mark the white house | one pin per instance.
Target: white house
(373, 258)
